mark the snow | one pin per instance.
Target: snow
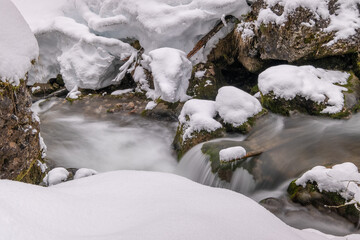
(235, 106)
(200, 74)
(121, 92)
(18, 46)
(56, 176)
(96, 33)
(316, 84)
(43, 147)
(232, 153)
(42, 166)
(344, 22)
(84, 172)
(342, 178)
(151, 105)
(74, 93)
(137, 205)
(171, 71)
(197, 115)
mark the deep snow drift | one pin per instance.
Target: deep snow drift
(18, 46)
(137, 205)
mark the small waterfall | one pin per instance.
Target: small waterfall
(196, 166)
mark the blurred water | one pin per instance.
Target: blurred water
(76, 138)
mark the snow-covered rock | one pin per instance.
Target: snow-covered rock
(84, 172)
(342, 178)
(56, 176)
(171, 71)
(198, 115)
(232, 153)
(18, 46)
(235, 106)
(315, 84)
(138, 205)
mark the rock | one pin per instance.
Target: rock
(291, 35)
(205, 81)
(19, 131)
(310, 195)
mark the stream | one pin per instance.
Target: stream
(79, 136)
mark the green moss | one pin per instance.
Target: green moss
(32, 175)
(254, 89)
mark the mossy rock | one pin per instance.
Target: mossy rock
(310, 194)
(32, 175)
(181, 146)
(206, 86)
(225, 171)
(246, 126)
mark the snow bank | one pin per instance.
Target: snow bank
(342, 178)
(236, 106)
(84, 172)
(56, 176)
(197, 115)
(85, 40)
(171, 71)
(344, 22)
(137, 205)
(316, 84)
(232, 153)
(18, 46)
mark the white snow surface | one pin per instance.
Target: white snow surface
(344, 22)
(235, 106)
(84, 172)
(171, 71)
(232, 153)
(316, 84)
(18, 46)
(56, 176)
(197, 115)
(342, 178)
(137, 205)
(85, 40)
(121, 92)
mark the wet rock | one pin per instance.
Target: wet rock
(19, 131)
(310, 195)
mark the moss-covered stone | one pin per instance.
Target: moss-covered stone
(246, 126)
(310, 194)
(225, 171)
(32, 175)
(181, 146)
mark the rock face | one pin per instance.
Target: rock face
(19, 131)
(279, 30)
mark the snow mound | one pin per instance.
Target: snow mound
(137, 205)
(56, 176)
(236, 106)
(87, 41)
(345, 21)
(316, 84)
(171, 71)
(84, 172)
(232, 153)
(121, 92)
(342, 178)
(197, 115)
(18, 46)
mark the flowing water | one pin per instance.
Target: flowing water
(77, 138)
(79, 135)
